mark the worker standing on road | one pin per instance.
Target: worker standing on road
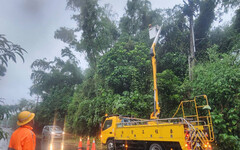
(23, 138)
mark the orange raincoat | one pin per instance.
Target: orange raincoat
(23, 139)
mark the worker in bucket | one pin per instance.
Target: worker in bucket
(23, 138)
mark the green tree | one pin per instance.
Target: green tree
(84, 114)
(173, 49)
(126, 67)
(136, 20)
(202, 26)
(3, 112)
(170, 92)
(54, 82)
(98, 31)
(122, 85)
(236, 24)
(137, 17)
(219, 79)
(8, 51)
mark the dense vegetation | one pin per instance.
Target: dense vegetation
(8, 52)
(119, 77)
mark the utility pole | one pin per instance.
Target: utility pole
(191, 57)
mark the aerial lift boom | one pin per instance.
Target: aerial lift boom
(156, 112)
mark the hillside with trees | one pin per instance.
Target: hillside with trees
(119, 77)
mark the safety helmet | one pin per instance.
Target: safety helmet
(25, 117)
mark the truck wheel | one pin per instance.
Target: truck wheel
(110, 145)
(155, 146)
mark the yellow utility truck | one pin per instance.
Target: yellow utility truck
(190, 128)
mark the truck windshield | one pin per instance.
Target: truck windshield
(107, 124)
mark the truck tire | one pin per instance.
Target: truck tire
(155, 146)
(110, 145)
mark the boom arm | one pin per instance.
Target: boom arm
(156, 112)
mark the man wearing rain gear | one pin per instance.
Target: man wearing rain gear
(23, 138)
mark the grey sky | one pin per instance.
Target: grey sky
(31, 24)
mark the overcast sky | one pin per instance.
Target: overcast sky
(31, 24)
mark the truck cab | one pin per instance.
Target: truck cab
(109, 128)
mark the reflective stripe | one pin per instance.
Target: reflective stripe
(25, 118)
(11, 148)
(32, 136)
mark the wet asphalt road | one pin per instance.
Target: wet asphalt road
(47, 144)
(55, 144)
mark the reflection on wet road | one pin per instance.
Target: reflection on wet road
(48, 144)
(55, 144)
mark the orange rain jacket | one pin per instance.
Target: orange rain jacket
(23, 139)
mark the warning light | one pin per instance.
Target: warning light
(101, 136)
(126, 146)
(187, 146)
(106, 115)
(210, 147)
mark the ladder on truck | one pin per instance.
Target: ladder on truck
(198, 139)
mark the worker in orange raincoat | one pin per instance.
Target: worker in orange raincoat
(23, 138)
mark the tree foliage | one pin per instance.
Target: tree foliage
(119, 88)
(173, 49)
(49, 74)
(202, 26)
(54, 82)
(137, 17)
(136, 20)
(98, 31)
(124, 67)
(3, 112)
(169, 87)
(8, 51)
(219, 79)
(119, 79)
